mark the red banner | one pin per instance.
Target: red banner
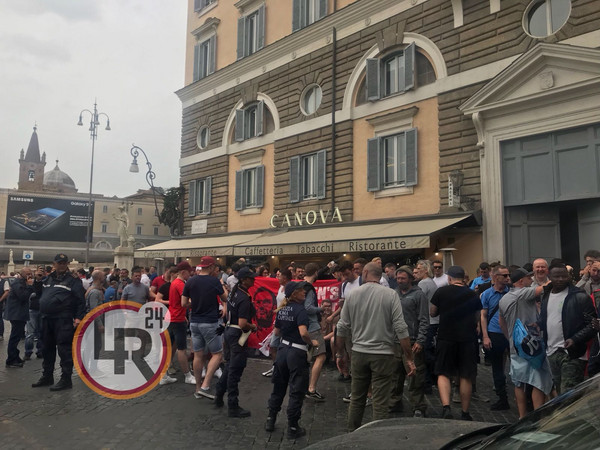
(264, 295)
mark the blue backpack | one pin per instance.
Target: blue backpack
(529, 344)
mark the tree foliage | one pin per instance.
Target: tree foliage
(172, 214)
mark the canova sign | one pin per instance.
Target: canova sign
(311, 217)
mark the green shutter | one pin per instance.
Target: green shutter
(212, 55)
(197, 59)
(241, 38)
(261, 28)
(409, 67)
(260, 109)
(239, 125)
(321, 174)
(373, 165)
(260, 186)
(294, 179)
(192, 198)
(411, 157)
(207, 194)
(322, 9)
(239, 190)
(373, 79)
(296, 15)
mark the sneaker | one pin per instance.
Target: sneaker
(238, 412)
(315, 395)
(204, 393)
(204, 372)
(456, 396)
(44, 381)
(347, 398)
(14, 364)
(218, 373)
(294, 432)
(268, 373)
(446, 413)
(270, 424)
(171, 371)
(481, 398)
(464, 415)
(167, 380)
(369, 401)
(63, 383)
(418, 413)
(500, 405)
(189, 378)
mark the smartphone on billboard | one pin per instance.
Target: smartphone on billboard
(37, 220)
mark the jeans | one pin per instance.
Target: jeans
(498, 360)
(416, 383)
(33, 332)
(235, 363)
(17, 332)
(291, 368)
(566, 372)
(377, 371)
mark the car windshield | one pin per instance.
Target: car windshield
(570, 421)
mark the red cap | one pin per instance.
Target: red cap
(206, 261)
(184, 265)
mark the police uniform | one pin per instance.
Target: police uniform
(239, 306)
(291, 365)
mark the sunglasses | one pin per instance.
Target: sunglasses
(505, 275)
(437, 267)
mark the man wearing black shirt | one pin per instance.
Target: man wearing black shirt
(240, 313)
(459, 310)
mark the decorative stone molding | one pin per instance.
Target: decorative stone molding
(395, 120)
(391, 36)
(209, 27)
(251, 158)
(480, 128)
(457, 10)
(246, 6)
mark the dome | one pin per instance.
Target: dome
(59, 180)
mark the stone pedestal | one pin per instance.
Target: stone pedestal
(124, 257)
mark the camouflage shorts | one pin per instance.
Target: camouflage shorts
(566, 372)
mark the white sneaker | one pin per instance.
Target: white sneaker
(204, 372)
(218, 373)
(268, 373)
(167, 380)
(189, 378)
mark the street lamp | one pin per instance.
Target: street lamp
(94, 122)
(150, 175)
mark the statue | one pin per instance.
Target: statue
(125, 239)
(10, 257)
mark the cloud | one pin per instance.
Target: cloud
(30, 51)
(86, 10)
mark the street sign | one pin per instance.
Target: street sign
(28, 255)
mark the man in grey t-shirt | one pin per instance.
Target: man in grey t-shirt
(136, 291)
(519, 303)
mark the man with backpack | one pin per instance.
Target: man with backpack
(494, 340)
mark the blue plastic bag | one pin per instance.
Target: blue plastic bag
(529, 344)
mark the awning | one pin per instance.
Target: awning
(200, 246)
(387, 236)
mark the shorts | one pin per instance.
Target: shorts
(179, 331)
(319, 349)
(205, 338)
(455, 358)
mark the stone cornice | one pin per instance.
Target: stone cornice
(246, 5)
(347, 21)
(209, 26)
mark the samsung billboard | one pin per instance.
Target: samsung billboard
(47, 219)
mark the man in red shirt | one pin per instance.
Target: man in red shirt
(160, 280)
(178, 325)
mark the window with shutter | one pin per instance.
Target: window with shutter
(199, 197)
(392, 161)
(249, 188)
(308, 176)
(204, 58)
(295, 179)
(192, 198)
(249, 122)
(251, 33)
(305, 12)
(391, 75)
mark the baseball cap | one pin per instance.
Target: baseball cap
(456, 272)
(293, 286)
(244, 272)
(518, 274)
(184, 265)
(206, 261)
(61, 257)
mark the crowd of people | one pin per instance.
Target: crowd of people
(394, 326)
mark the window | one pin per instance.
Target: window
(104, 227)
(249, 121)
(249, 188)
(201, 4)
(310, 100)
(204, 58)
(545, 17)
(203, 137)
(155, 231)
(305, 12)
(425, 73)
(138, 229)
(139, 211)
(307, 176)
(31, 175)
(390, 75)
(199, 196)
(251, 33)
(105, 208)
(392, 161)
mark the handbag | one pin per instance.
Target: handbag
(529, 344)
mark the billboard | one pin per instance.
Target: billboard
(47, 219)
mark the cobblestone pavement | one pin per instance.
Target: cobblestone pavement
(170, 416)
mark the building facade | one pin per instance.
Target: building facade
(32, 217)
(390, 128)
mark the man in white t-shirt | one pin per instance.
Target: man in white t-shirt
(566, 340)
(440, 278)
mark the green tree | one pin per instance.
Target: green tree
(172, 213)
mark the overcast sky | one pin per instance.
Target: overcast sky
(57, 56)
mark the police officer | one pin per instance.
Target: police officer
(62, 306)
(240, 312)
(291, 365)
